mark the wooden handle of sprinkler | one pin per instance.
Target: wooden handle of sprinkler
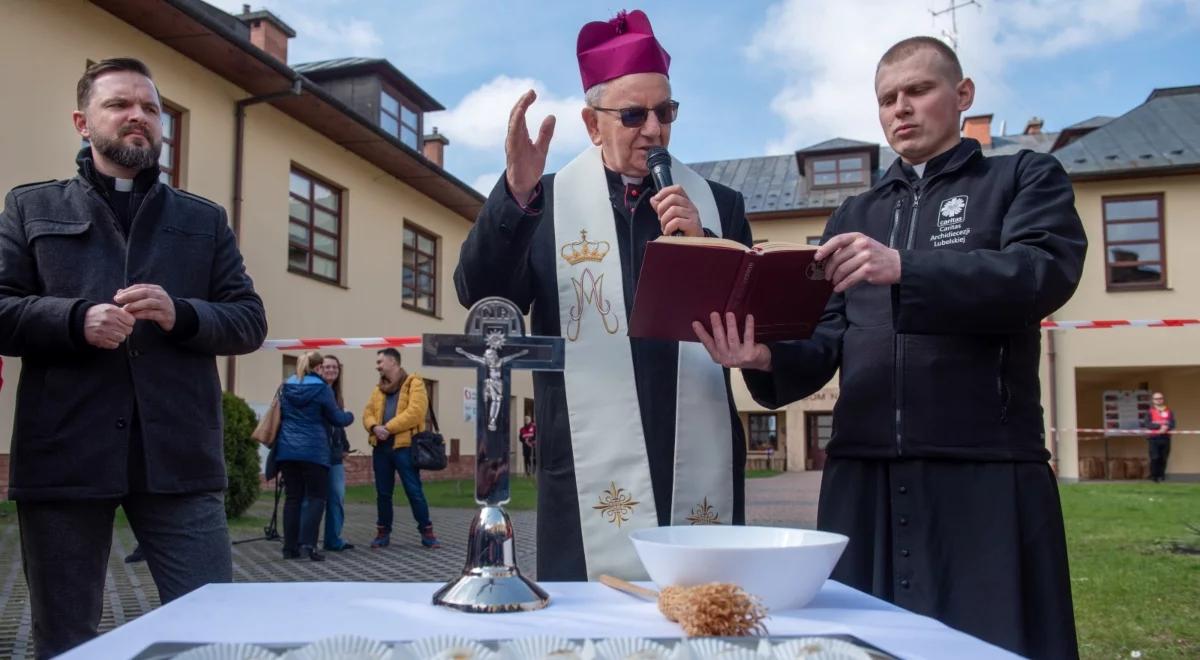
(628, 587)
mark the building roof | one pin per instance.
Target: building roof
(346, 67)
(221, 43)
(775, 184)
(1162, 133)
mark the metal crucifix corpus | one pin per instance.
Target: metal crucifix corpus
(494, 344)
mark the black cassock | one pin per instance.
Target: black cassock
(511, 253)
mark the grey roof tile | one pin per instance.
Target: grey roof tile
(1162, 132)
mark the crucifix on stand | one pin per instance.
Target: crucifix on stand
(494, 344)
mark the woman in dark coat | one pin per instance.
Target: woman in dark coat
(308, 412)
(339, 446)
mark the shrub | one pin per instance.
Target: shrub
(241, 455)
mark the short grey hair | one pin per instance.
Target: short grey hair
(595, 95)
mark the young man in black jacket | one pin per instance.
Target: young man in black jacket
(942, 271)
(117, 291)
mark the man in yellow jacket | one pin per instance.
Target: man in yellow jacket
(396, 411)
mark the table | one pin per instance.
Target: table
(300, 612)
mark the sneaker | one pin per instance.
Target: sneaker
(135, 556)
(315, 555)
(382, 539)
(428, 539)
(344, 546)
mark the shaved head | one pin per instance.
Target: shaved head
(908, 47)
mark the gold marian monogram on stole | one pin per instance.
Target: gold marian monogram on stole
(704, 514)
(616, 505)
(589, 289)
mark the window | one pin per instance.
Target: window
(168, 158)
(1134, 246)
(289, 366)
(813, 240)
(420, 270)
(314, 227)
(764, 432)
(400, 120)
(839, 171)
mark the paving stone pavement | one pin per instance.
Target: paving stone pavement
(787, 500)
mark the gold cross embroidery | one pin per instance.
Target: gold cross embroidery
(704, 514)
(616, 504)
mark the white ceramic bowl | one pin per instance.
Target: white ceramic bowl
(784, 567)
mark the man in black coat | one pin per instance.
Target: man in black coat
(937, 469)
(519, 249)
(117, 292)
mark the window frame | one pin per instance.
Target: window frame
(810, 170)
(418, 233)
(750, 431)
(175, 141)
(1161, 242)
(313, 229)
(401, 105)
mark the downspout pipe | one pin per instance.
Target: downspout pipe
(1052, 369)
(239, 145)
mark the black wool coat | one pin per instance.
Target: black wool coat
(62, 250)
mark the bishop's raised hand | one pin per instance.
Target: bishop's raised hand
(525, 159)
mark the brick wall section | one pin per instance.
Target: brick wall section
(4, 475)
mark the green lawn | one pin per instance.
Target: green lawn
(1132, 592)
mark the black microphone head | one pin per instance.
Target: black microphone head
(656, 157)
(658, 161)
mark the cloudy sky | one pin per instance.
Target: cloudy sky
(753, 78)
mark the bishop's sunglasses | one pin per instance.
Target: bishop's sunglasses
(635, 117)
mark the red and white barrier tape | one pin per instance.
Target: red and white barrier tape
(1137, 323)
(400, 342)
(310, 343)
(1127, 431)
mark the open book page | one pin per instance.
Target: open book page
(780, 246)
(706, 241)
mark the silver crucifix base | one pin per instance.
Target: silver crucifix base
(491, 581)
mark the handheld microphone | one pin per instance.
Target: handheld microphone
(659, 163)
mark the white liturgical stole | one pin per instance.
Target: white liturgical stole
(612, 472)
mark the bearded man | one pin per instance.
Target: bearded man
(117, 292)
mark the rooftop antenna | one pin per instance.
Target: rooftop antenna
(952, 35)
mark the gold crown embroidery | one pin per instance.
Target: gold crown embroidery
(584, 250)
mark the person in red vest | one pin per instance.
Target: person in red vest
(1162, 421)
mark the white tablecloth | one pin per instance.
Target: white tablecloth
(297, 612)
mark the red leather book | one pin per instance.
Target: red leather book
(685, 279)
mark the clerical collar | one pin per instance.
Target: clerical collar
(122, 185)
(929, 167)
(632, 180)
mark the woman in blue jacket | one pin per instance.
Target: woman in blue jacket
(308, 413)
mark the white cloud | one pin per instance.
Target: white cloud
(485, 182)
(827, 51)
(318, 37)
(480, 120)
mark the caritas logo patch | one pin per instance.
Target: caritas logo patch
(952, 216)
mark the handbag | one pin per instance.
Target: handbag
(429, 448)
(268, 426)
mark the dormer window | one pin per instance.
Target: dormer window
(400, 120)
(841, 170)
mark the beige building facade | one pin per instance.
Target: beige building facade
(348, 223)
